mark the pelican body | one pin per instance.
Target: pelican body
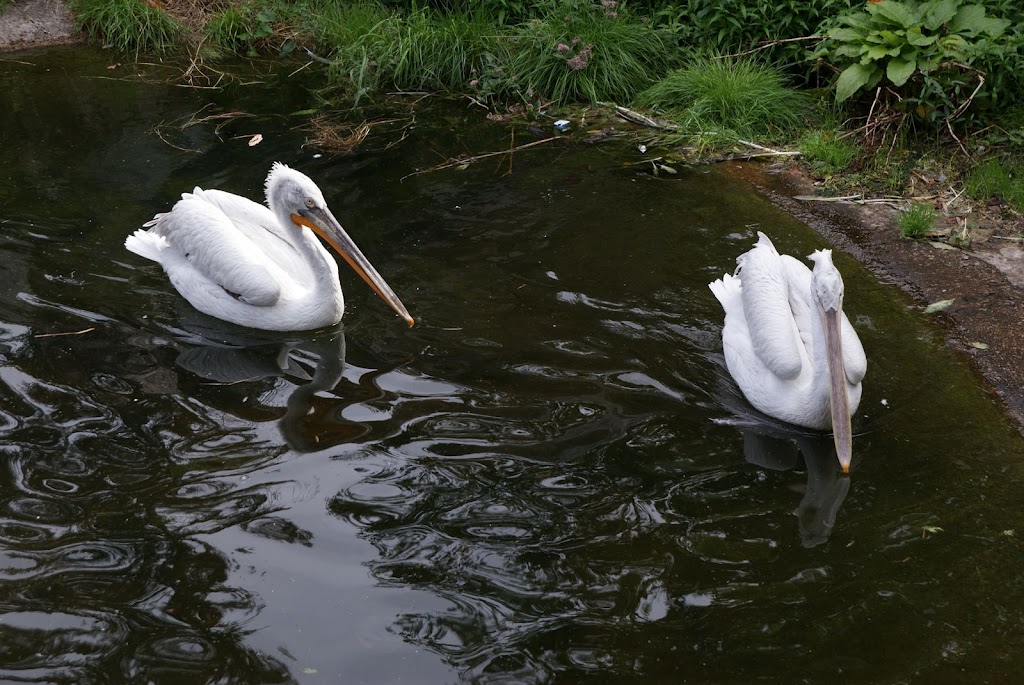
(257, 266)
(788, 344)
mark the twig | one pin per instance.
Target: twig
(57, 335)
(769, 151)
(949, 127)
(772, 44)
(160, 135)
(755, 155)
(637, 118)
(963, 107)
(469, 160)
(317, 57)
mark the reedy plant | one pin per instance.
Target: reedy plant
(586, 51)
(739, 97)
(128, 25)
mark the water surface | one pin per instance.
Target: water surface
(551, 478)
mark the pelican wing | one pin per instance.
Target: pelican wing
(767, 292)
(213, 245)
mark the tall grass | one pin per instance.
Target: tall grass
(826, 152)
(127, 25)
(372, 47)
(580, 50)
(741, 97)
(995, 179)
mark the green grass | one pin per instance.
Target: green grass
(127, 25)
(742, 97)
(996, 179)
(917, 220)
(373, 48)
(825, 152)
(581, 52)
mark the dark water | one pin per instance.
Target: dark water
(550, 478)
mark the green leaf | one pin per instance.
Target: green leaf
(846, 35)
(972, 20)
(900, 69)
(979, 345)
(919, 39)
(853, 79)
(878, 53)
(898, 13)
(939, 12)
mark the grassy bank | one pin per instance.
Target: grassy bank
(874, 95)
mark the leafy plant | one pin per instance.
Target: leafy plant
(738, 25)
(924, 49)
(917, 220)
(745, 97)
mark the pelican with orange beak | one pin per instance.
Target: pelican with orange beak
(257, 266)
(788, 344)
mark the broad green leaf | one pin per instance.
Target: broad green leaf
(900, 69)
(878, 53)
(900, 14)
(972, 19)
(857, 21)
(852, 79)
(915, 37)
(847, 35)
(939, 12)
(892, 37)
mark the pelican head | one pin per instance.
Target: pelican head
(297, 201)
(827, 293)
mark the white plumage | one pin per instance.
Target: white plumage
(257, 266)
(787, 342)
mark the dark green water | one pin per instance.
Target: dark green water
(550, 478)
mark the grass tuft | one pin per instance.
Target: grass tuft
(579, 51)
(825, 152)
(995, 179)
(128, 25)
(917, 220)
(744, 97)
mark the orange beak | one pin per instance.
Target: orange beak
(323, 224)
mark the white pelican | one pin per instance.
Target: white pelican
(788, 344)
(242, 262)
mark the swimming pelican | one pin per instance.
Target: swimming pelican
(242, 262)
(788, 344)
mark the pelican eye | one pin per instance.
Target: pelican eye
(310, 203)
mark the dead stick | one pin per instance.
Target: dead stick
(57, 335)
(469, 160)
(771, 45)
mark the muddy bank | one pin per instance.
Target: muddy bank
(986, 281)
(36, 23)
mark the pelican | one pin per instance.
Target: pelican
(788, 344)
(264, 268)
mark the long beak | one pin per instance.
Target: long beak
(842, 430)
(323, 223)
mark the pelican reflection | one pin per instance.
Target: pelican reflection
(779, 449)
(312, 419)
